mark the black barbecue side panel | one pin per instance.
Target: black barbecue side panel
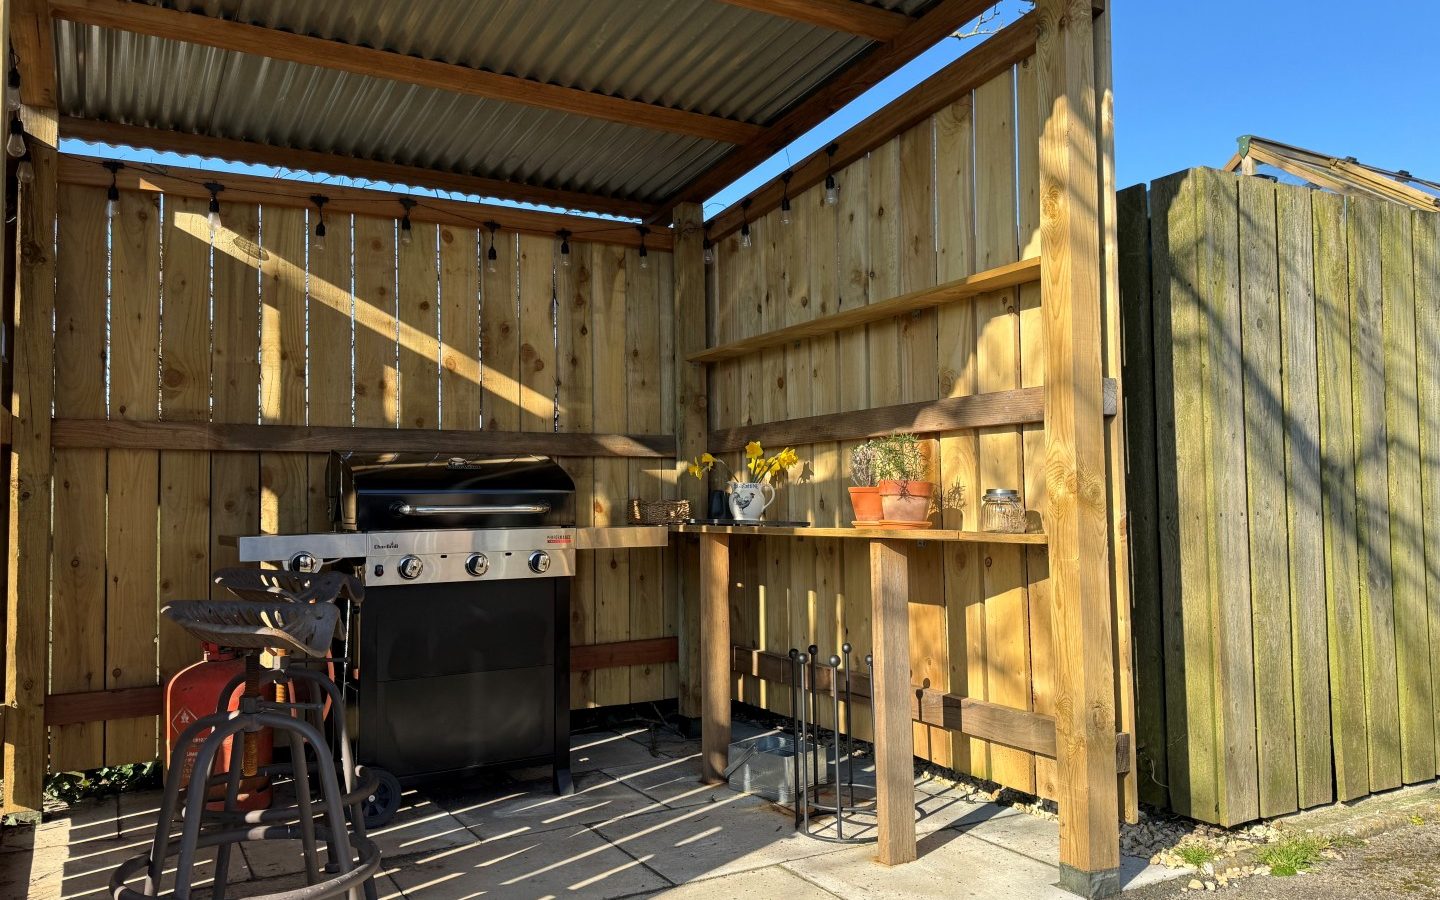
(462, 676)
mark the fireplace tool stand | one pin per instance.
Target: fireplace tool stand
(807, 693)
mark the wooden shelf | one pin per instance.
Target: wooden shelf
(969, 287)
(869, 534)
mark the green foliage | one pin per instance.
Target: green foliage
(898, 458)
(1294, 854)
(69, 787)
(1195, 854)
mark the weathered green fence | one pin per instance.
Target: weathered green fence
(1282, 382)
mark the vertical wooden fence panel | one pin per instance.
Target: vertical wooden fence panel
(1292, 336)
(77, 638)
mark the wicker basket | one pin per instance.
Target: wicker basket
(659, 512)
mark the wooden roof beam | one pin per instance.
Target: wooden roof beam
(256, 153)
(256, 40)
(180, 181)
(883, 60)
(32, 39)
(846, 16)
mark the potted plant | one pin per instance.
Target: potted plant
(750, 497)
(865, 489)
(901, 471)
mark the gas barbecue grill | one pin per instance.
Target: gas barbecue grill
(460, 651)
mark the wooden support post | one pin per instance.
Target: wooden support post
(691, 427)
(715, 647)
(27, 618)
(894, 738)
(1076, 518)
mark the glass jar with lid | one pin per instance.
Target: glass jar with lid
(1001, 511)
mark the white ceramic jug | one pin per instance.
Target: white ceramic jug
(749, 500)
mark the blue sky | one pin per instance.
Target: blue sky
(1193, 75)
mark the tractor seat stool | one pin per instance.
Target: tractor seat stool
(250, 627)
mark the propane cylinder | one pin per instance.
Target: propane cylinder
(193, 693)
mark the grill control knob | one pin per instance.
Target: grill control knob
(478, 564)
(410, 567)
(539, 562)
(304, 563)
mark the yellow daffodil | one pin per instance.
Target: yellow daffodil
(753, 450)
(695, 471)
(707, 459)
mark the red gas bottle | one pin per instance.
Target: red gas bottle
(193, 693)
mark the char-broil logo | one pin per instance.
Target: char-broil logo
(388, 545)
(558, 539)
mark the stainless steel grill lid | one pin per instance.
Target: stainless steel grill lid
(405, 491)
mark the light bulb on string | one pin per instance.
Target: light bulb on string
(644, 253)
(25, 171)
(492, 258)
(406, 232)
(746, 242)
(214, 215)
(785, 215)
(832, 189)
(112, 193)
(12, 90)
(15, 144)
(318, 244)
(709, 246)
(564, 237)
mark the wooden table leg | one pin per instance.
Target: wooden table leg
(715, 656)
(894, 739)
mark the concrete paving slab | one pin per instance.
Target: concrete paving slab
(568, 862)
(84, 870)
(421, 825)
(674, 782)
(757, 883)
(385, 887)
(534, 807)
(731, 835)
(596, 750)
(950, 865)
(81, 822)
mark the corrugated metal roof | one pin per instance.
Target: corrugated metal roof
(697, 55)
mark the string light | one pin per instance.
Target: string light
(745, 240)
(491, 257)
(12, 92)
(709, 246)
(785, 217)
(406, 235)
(564, 236)
(15, 145)
(644, 254)
(25, 172)
(214, 189)
(832, 190)
(112, 194)
(319, 200)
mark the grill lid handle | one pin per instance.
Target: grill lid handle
(487, 509)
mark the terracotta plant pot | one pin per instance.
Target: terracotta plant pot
(866, 502)
(906, 501)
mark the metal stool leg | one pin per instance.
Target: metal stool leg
(301, 767)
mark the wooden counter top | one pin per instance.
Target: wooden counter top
(872, 534)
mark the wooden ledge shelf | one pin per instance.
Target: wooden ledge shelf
(967, 288)
(869, 534)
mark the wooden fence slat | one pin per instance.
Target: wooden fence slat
(1305, 523)
(644, 368)
(459, 329)
(330, 308)
(130, 552)
(1427, 336)
(1407, 527)
(537, 333)
(77, 637)
(1001, 453)
(418, 293)
(500, 334)
(1140, 378)
(284, 478)
(1264, 442)
(1334, 339)
(376, 373)
(610, 279)
(574, 286)
(1377, 603)
(184, 396)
